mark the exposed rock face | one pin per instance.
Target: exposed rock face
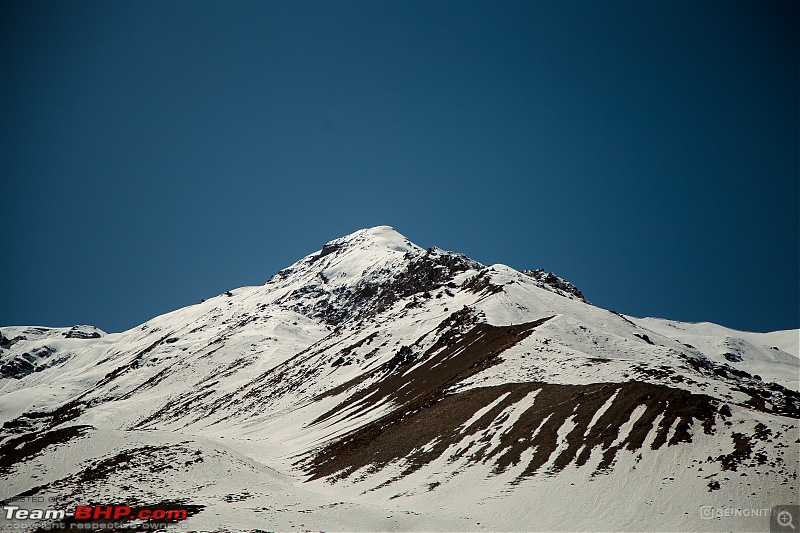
(557, 284)
(83, 332)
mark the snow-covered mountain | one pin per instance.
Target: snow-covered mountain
(375, 385)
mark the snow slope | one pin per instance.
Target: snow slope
(775, 356)
(375, 385)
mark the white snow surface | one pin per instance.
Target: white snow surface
(775, 356)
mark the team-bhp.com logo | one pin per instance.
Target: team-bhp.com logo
(95, 512)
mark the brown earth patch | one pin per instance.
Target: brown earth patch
(455, 356)
(742, 450)
(142, 467)
(25, 447)
(419, 432)
(481, 283)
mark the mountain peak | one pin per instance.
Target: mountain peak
(370, 238)
(363, 273)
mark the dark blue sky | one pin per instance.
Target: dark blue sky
(156, 153)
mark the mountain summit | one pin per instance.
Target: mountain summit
(376, 385)
(364, 273)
